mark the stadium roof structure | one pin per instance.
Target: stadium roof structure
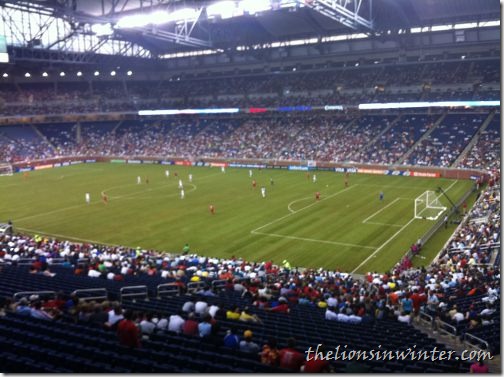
(159, 28)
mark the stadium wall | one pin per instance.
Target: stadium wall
(411, 171)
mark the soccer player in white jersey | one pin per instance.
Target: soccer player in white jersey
(88, 198)
(139, 180)
(263, 192)
(314, 178)
(223, 169)
(180, 185)
(250, 173)
(182, 194)
(190, 177)
(167, 173)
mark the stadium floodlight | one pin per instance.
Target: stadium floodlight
(62, 74)
(184, 14)
(255, 6)
(97, 73)
(129, 73)
(137, 20)
(113, 73)
(79, 74)
(27, 74)
(5, 75)
(102, 30)
(45, 74)
(223, 9)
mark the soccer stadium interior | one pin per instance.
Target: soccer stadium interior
(384, 109)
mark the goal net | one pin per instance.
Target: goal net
(5, 169)
(428, 206)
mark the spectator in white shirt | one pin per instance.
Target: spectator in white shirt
(188, 306)
(176, 323)
(201, 307)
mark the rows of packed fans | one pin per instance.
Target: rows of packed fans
(451, 80)
(409, 139)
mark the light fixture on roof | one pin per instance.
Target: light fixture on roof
(223, 9)
(79, 74)
(5, 75)
(463, 57)
(102, 29)
(357, 64)
(129, 73)
(112, 73)
(62, 74)
(44, 74)
(97, 73)
(27, 74)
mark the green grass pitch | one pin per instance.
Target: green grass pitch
(349, 228)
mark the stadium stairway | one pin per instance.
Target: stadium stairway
(406, 155)
(474, 140)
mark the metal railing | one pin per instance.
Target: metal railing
(135, 292)
(94, 294)
(195, 286)
(168, 289)
(219, 284)
(447, 328)
(19, 295)
(472, 339)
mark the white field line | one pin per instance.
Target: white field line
(313, 240)
(295, 201)
(381, 209)
(391, 238)
(386, 224)
(301, 209)
(98, 202)
(66, 237)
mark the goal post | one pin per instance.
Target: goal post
(428, 206)
(6, 169)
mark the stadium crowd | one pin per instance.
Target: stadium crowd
(383, 139)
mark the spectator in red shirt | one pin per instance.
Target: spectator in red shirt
(282, 306)
(128, 332)
(190, 326)
(290, 357)
(317, 365)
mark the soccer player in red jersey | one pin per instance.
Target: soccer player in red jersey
(212, 209)
(254, 183)
(317, 195)
(346, 179)
(104, 198)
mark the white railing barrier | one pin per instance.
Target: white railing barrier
(135, 292)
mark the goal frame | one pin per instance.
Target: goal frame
(428, 201)
(6, 169)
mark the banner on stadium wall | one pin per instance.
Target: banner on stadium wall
(133, 161)
(250, 166)
(164, 162)
(276, 167)
(311, 163)
(474, 177)
(89, 161)
(199, 163)
(57, 165)
(65, 164)
(149, 162)
(21, 170)
(183, 163)
(371, 171)
(118, 161)
(40, 167)
(402, 173)
(218, 164)
(346, 170)
(425, 174)
(295, 167)
(75, 162)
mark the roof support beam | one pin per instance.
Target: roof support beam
(344, 11)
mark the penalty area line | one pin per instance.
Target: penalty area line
(393, 236)
(301, 209)
(313, 240)
(381, 209)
